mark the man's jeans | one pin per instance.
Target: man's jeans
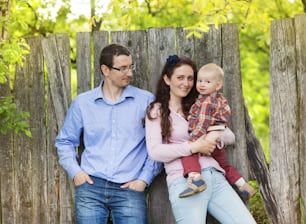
(94, 203)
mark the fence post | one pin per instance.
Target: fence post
(284, 149)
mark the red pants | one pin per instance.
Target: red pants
(191, 164)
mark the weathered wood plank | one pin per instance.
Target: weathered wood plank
(55, 78)
(300, 28)
(184, 45)
(100, 40)
(7, 192)
(66, 194)
(159, 207)
(284, 153)
(63, 43)
(260, 170)
(58, 91)
(35, 75)
(83, 62)
(208, 48)
(161, 44)
(53, 167)
(22, 150)
(236, 155)
(84, 74)
(54, 171)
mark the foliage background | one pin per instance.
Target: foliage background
(26, 18)
(41, 17)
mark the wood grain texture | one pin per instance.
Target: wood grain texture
(300, 28)
(284, 150)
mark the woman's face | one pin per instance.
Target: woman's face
(181, 81)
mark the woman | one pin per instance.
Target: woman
(167, 141)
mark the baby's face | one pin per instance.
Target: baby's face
(208, 82)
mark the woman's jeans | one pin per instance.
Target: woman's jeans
(94, 203)
(218, 198)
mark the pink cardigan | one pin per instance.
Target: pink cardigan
(170, 153)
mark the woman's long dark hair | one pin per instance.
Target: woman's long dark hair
(162, 95)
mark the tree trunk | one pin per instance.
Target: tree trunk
(304, 5)
(4, 13)
(96, 24)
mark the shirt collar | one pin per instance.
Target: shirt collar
(128, 92)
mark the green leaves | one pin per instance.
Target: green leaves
(11, 52)
(12, 119)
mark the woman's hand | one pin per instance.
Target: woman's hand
(203, 145)
(213, 136)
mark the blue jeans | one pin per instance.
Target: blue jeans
(94, 203)
(219, 199)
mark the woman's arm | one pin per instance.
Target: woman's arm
(159, 151)
(166, 152)
(204, 145)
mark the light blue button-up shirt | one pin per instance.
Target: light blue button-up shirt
(114, 137)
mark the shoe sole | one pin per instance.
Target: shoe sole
(195, 191)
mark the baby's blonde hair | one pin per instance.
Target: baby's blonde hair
(215, 68)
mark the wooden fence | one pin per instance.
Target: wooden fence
(34, 188)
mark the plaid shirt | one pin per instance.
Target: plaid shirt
(208, 110)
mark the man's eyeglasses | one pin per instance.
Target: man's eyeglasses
(124, 69)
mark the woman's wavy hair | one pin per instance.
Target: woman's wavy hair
(162, 95)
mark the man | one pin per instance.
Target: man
(115, 168)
